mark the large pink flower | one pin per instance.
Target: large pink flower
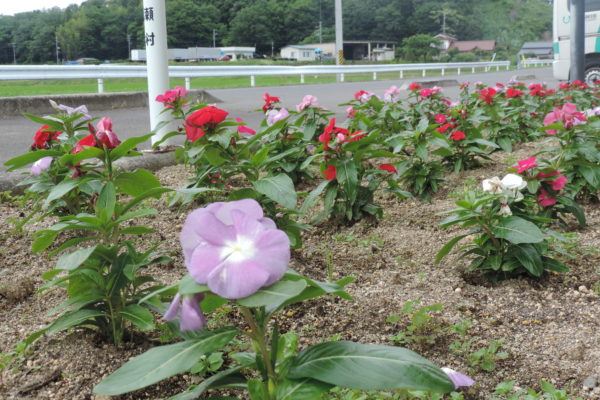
(568, 115)
(307, 101)
(526, 164)
(233, 248)
(276, 115)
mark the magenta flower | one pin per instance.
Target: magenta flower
(276, 115)
(544, 199)
(350, 112)
(458, 379)
(104, 134)
(233, 248)
(41, 165)
(191, 317)
(568, 115)
(243, 129)
(526, 164)
(559, 182)
(307, 101)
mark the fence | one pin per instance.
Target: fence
(101, 72)
(534, 62)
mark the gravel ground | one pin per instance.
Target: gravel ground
(550, 327)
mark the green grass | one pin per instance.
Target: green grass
(73, 86)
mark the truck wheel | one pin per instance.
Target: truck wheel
(592, 74)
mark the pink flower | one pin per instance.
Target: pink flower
(233, 248)
(568, 115)
(243, 129)
(363, 96)
(526, 164)
(391, 95)
(41, 165)
(544, 200)
(276, 115)
(105, 135)
(171, 98)
(307, 101)
(414, 86)
(426, 92)
(350, 112)
(191, 317)
(557, 183)
(440, 118)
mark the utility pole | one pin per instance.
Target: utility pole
(444, 22)
(272, 49)
(57, 48)
(320, 23)
(577, 70)
(14, 46)
(339, 37)
(214, 37)
(128, 46)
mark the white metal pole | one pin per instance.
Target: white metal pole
(155, 27)
(339, 37)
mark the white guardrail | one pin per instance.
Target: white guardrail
(534, 62)
(101, 72)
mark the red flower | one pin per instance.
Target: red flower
(205, 119)
(269, 101)
(330, 172)
(330, 131)
(563, 85)
(457, 135)
(353, 137)
(88, 141)
(43, 137)
(512, 92)
(389, 168)
(358, 94)
(487, 95)
(171, 98)
(425, 92)
(440, 118)
(414, 86)
(443, 128)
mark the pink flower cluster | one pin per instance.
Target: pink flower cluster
(568, 115)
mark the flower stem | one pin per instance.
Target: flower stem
(257, 334)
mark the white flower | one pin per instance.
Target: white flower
(493, 186)
(505, 210)
(513, 182)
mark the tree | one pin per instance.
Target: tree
(420, 47)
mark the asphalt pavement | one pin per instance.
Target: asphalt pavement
(16, 133)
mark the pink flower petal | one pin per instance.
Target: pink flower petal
(237, 280)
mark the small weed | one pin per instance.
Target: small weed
(462, 346)
(14, 359)
(568, 245)
(510, 159)
(470, 183)
(423, 328)
(507, 392)
(485, 358)
(328, 254)
(339, 237)
(348, 394)
(373, 239)
(208, 363)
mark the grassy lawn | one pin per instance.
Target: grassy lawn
(72, 86)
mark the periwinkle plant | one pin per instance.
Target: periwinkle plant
(234, 254)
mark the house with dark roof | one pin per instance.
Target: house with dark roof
(537, 49)
(465, 46)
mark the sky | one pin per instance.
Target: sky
(11, 7)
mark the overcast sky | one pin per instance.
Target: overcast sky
(11, 7)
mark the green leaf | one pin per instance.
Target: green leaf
(127, 145)
(227, 378)
(517, 230)
(278, 188)
(105, 205)
(313, 196)
(136, 230)
(136, 183)
(529, 258)
(43, 239)
(591, 175)
(188, 285)
(554, 265)
(369, 367)
(347, 176)
(73, 318)
(73, 260)
(60, 190)
(275, 295)
(302, 389)
(447, 247)
(139, 316)
(163, 362)
(257, 390)
(31, 157)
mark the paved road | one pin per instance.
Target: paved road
(16, 133)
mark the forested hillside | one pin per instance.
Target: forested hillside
(105, 29)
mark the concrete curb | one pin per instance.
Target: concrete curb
(152, 161)
(11, 106)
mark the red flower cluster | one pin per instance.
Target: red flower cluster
(172, 98)
(330, 172)
(101, 136)
(457, 136)
(269, 101)
(203, 120)
(512, 92)
(331, 131)
(44, 137)
(536, 89)
(414, 86)
(487, 95)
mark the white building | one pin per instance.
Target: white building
(237, 53)
(298, 52)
